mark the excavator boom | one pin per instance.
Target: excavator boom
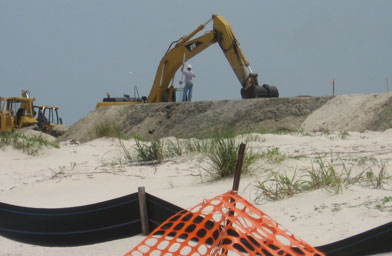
(186, 48)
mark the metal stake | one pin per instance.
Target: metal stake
(237, 175)
(143, 211)
(333, 87)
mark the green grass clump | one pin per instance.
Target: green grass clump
(278, 186)
(322, 175)
(376, 180)
(221, 151)
(197, 146)
(173, 148)
(145, 151)
(151, 151)
(30, 145)
(325, 175)
(223, 157)
(273, 155)
(108, 129)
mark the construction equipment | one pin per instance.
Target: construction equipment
(126, 100)
(48, 118)
(19, 112)
(186, 48)
(16, 112)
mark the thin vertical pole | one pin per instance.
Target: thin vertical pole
(333, 87)
(387, 84)
(236, 184)
(237, 175)
(143, 210)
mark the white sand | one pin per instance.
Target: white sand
(355, 112)
(79, 174)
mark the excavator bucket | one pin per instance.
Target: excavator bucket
(224, 225)
(257, 91)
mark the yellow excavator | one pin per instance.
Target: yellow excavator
(186, 48)
(16, 112)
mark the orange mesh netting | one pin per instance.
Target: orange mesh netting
(224, 225)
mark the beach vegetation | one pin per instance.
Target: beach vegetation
(322, 175)
(376, 180)
(197, 146)
(107, 128)
(344, 135)
(273, 155)
(223, 155)
(149, 151)
(278, 186)
(221, 152)
(173, 148)
(30, 145)
(364, 159)
(63, 170)
(384, 204)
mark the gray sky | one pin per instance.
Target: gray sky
(70, 53)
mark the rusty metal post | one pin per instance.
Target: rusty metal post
(237, 175)
(236, 184)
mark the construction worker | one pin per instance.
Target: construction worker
(41, 119)
(187, 94)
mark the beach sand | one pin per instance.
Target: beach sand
(83, 173)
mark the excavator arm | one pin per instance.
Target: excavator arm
(186, 48)
(231, 48)
(174, 58)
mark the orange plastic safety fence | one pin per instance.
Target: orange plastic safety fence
(224, 225)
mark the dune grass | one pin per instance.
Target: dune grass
(223, 155)
(221, 152)
(30, 145)
(322, 175)
(107, 128)
(273, 155)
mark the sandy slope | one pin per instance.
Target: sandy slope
(198, 119)
(78, 174)
(355, 112)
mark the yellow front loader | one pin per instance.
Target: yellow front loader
(48, 118)
(16, 112)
